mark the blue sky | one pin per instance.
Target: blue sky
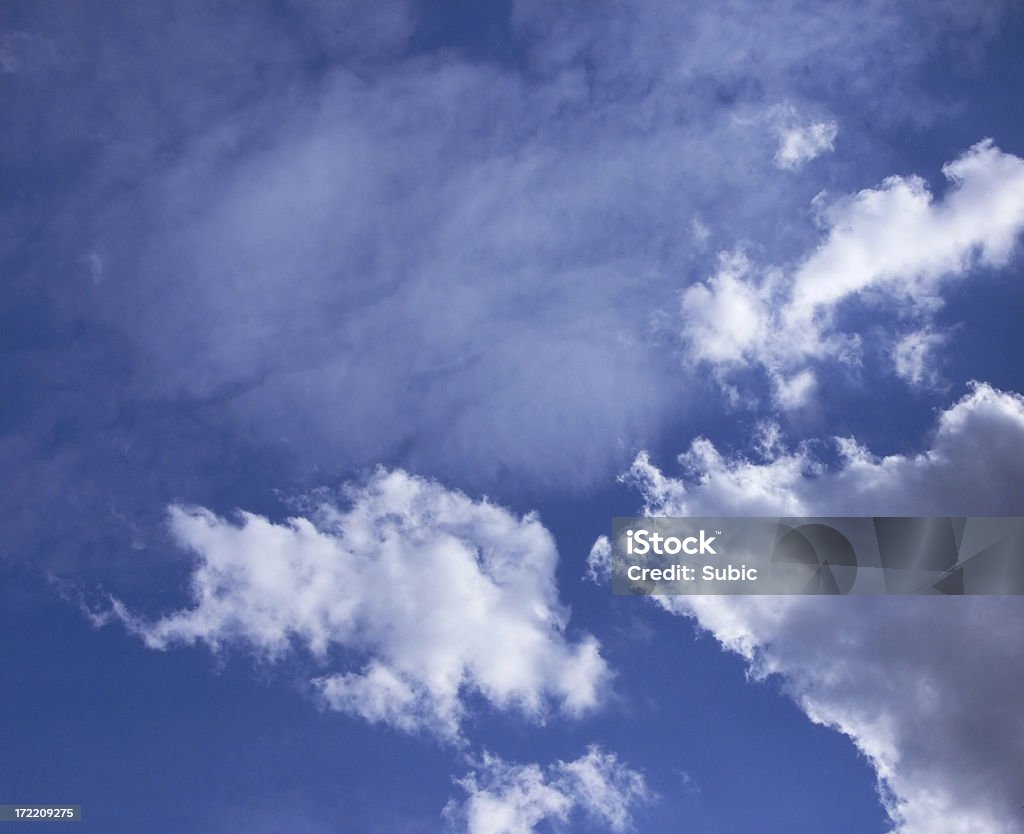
(334, 336)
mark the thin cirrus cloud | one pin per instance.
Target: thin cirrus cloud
(508, 798)
(419, 581)
(927, 688)
(388, 260)
(301, 239)
(894, 243)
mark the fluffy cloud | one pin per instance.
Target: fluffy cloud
(974, 466)
(419, 582)
(507, 798)
(927, 688)
(894, 244)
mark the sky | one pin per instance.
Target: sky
(334, 335)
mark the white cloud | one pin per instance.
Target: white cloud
(796, 390)
(417, 246)
(898, 237)
(798, 145)
(892, 245)
(372, 251)
(509, 798)
(974, 466)
(913, 356)
(700, 232)
(599, 560)
(927, 688)
(422, 583)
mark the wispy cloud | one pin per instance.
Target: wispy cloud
(798, 145)
(800, 139)
(383, 253)
(914, 356)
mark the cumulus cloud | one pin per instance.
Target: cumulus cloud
(927, 688)
(506, 798)
(973, 466)
(416, 585)
(893, 248)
